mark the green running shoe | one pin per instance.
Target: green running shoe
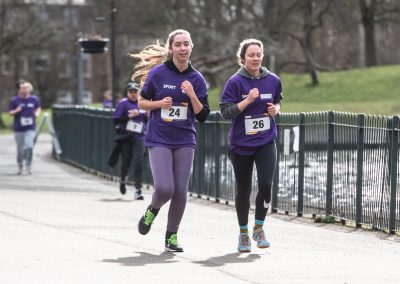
(172, 245)
(146, 221)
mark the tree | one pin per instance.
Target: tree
(373, 12)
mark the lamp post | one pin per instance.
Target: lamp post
(113, 11)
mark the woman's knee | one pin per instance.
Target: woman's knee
(164, 192)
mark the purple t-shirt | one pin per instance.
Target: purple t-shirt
(173, 128)
(135, 125)
(252, 128)
(107, 103)
(24, 120)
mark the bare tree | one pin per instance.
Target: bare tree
(373, 12)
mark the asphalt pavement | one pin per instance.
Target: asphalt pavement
(64, 225)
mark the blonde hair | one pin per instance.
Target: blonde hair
(153, 55)
(241, 52)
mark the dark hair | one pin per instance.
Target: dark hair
(19, 82)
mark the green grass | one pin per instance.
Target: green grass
(369, 90)
(8, 121)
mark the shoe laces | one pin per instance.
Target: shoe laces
(244, 240)
(173, 240)
(259, 234)
(148, 217)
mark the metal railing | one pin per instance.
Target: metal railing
(340, 164)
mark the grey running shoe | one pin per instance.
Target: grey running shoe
(259, 237)
(244, 243)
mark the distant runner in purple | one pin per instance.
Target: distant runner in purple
(25, 108)
(176, 95)
(130, 124)
(251, 98)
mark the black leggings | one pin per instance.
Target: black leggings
(265, 159)
(132, 151)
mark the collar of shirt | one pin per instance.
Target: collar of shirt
(170, 65)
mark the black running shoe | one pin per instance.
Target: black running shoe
(138, 195)
(146, 221)
(172, 245)
(122, 187)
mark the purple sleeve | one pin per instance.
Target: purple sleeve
(12, 105)
(230, 92)
(278, 93)
(120, 114)
(37, 103)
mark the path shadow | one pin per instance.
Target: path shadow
(115, 200)
(228, 258)
(143, 259)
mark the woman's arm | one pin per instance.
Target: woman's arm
(146, 104)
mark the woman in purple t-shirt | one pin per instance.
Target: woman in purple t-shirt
(251, 98)
(25, 108)
(130, 123)
(176, 95)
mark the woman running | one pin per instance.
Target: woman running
(251, 98)
(176, 95)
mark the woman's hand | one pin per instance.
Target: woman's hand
(273, 109)
(187, 89)
(253, 95)
(133, 113)
(166, 102)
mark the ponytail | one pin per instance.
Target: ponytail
(149, 57)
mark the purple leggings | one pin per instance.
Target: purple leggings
(171, 172)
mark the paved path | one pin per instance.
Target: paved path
(63, 225)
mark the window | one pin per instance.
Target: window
(42, 63)
(64, 65)
(6, 65)
(87, 66)
(64, 97)
(23, 66)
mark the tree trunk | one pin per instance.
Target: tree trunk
(307, 46)
(368, 9)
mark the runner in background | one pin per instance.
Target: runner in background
(130, 123)
(25, 107)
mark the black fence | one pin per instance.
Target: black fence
(329, 163)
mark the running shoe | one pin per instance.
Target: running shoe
(259, 237)
(146, 221)
(122, 186)
(244, 243)
(172, 245)
(138, 195)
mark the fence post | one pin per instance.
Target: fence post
(329, 174)
(275, 184)
(300, 181)
(217, 151)
(360, 160)
(394, 145)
